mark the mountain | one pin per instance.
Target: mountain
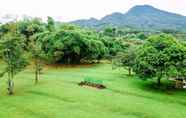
(141, 16)
(90, 22)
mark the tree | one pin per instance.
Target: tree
(126, 59)
(70, 46)
(11, 47)
(50, 24)
(113, 46)
(37, 56)
(109, 31)
(155, 57)
(141, 36)
(178, 60)
(29, 27)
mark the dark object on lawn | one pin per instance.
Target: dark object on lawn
(92, 82)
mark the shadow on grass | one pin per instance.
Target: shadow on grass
(183, 103)
(137, 115)
(51, 96)
(167, 87)
(35, 113)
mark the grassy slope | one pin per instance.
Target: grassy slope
(58, 96)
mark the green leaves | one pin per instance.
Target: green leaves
(12, 52)
(71, 45)
(159, 55)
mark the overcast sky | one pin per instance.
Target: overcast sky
(68, 10)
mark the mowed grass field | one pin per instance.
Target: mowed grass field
(58, 95)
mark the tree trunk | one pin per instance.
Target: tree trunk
(130, 71)
(36, 71)
(159, 81)
(36, 76)
(10, 86)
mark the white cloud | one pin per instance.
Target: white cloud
(67, 10)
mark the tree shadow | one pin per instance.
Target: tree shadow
(166, 87)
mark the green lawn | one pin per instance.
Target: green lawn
(58, 96)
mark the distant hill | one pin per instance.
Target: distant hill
(141, 16)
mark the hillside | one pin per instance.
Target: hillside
(142, 16)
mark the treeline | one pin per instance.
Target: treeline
(64, 43)
(160, 56)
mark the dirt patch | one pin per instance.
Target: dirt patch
(98, 86)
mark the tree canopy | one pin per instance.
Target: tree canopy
(158, 55)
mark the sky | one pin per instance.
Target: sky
(69, 10)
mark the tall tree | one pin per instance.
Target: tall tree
(11, 48)
(38, 57)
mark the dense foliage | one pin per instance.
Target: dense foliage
(159, 55)
(65, 43)
(71, 46)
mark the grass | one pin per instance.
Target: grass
(58, 96)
